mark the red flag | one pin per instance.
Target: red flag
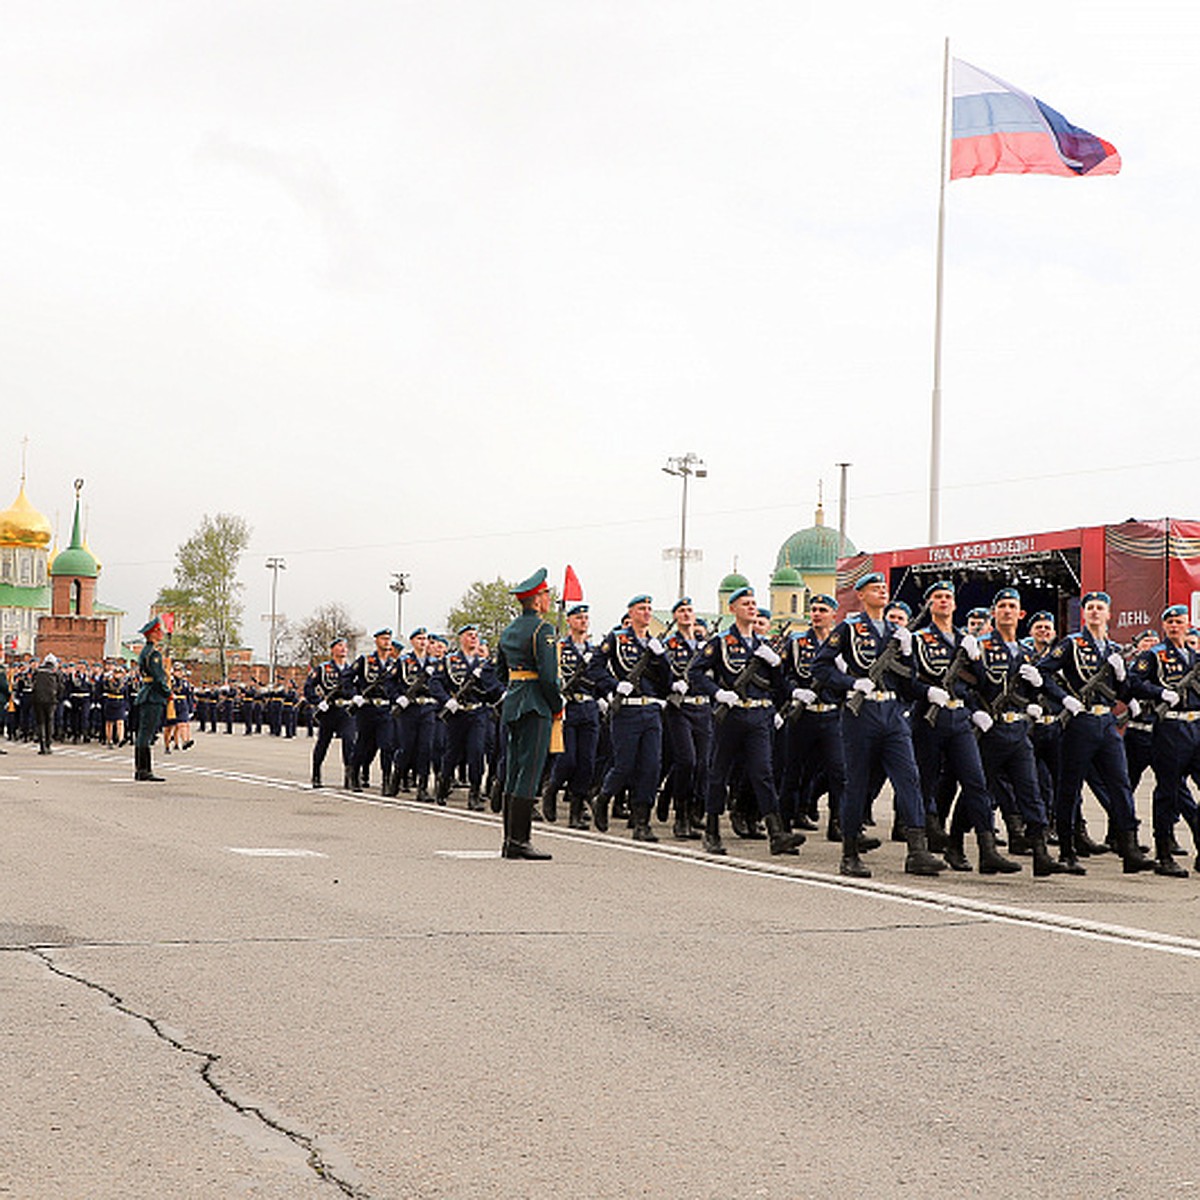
(572, 589)
(168, 621)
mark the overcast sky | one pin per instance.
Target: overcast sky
(438, 288)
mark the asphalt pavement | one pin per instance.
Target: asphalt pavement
(229, 984)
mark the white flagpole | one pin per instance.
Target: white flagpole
(935, 424)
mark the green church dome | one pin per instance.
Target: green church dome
(76, 560)
(787, 577)
(814, 549)
(732, 582)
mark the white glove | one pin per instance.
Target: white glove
(725, 696)
(403, 702)
(451, 706)
(1135, 709)
(602, 705)
(655, 646)
(1073, 706)
(624, 688)
(1034, 710)
(863, 685)
(359, 701)
(657, 702)
(1118, 665)
(778, 721)
(1169, 696)
(477, 672)
(1030, 674)
(680, 686)
(904, 637)
(323, 706)
(66, 704)
(767, 655)
(983, 720)
(840, 663)
(804, 695)
(938, 696)
(970, 644)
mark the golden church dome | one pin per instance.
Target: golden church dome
(23, 525)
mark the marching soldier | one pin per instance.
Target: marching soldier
(329, 688)
(741, 673)
(632, 667)
(374, 693)
(475, 686)
(875, 729)
(1086, 674)
(575, 768)
(688, 725)
(152, 697)
(944, 730)
(419, 691)
(1168, 676)
(527, 664)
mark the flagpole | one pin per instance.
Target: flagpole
(935, 422)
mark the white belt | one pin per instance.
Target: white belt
(1010, 717)
(752, 704)
(1098, 710)
(819, 708)
(695, 700)
(638, 700)
(882, 696)
(1189, 715)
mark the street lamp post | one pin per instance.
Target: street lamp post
(399, 585)
(684, 466)
(274, 565)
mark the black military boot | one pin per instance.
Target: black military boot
(1085, 847)
(520, 822)
(897, 834)
(423, 796)
(1165, 863)
(620, 808)
(682, 828)
(935, 832)
(494, 795)
(138, 770)
(1132, 858)
(663, 804)
(385, 783)
(355, 780)
(781, 842)
(316, 777)
(445, 781)
(641, 824)
(919, 860)
(954, 854)
(1018, 839)
(599, 807)
(868, 841)
(576, 818)
(991, 861)
(550, 802)
(851, 864)
(474, 799)
(148, 768)
(833, 830)
(712, 834)
(1043, 864)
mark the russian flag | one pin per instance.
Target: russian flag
(1001, 130)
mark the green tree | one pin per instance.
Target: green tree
(488, 605)
(206, 571)
(310, 639)
(182, 602)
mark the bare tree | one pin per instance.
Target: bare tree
(310, 639)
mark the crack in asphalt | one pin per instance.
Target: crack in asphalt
(208, 1061)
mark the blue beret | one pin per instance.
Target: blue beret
(439, 637)
(822, 598)
(466, 629)
(873, 577)
(738, 593)
(1041, 615)
(333, 641)
(901, 606)
(1174, 610)
(577, 608)
(420, 631)
(385, 632)
(1007, 593)
(640, 598)
(1096, 596)
(939, 585)
(680, 603)
(979, 612)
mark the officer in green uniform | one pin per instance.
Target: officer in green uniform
(527, 663)
(152, 697)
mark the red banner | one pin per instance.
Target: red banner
(1135, 575)
(572, 588)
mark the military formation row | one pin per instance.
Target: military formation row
(963, 725)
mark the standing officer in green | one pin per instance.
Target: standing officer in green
(152, 697)
(527, 663)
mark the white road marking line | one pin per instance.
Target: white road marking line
(467, 853)
(274, 852)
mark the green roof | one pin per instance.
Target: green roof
(76, 560)
(813, 549)
(732, 582)
(24, 597)
(787, 577)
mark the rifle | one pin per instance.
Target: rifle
(887, 661)
(580, 669)
(464, 693)
(953, 671)
(744, 678)
(1190, 680)
(415, 690)
(675, 699)
(1095, 685)
(636, 672)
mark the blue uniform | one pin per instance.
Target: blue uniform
(575, 767)
(329, 689)
(374, 694)
(689, 732)
(420, 690)
(474, 687)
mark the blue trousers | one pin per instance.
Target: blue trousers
(743, 740)
(636, 753)
(1091, 741)
(880, 736)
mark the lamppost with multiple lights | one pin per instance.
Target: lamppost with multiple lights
(399, 585)
(684, 466)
